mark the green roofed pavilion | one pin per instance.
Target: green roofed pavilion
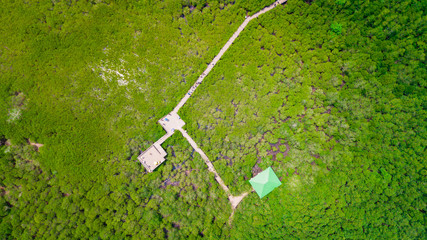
(265, 182)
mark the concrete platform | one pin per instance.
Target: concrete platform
(171, 122)
(152, 157)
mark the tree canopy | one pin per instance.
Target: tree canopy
(330, 93)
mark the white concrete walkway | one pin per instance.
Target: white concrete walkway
(222, 51)
(176, 124)
(235, 200)
(206, 159)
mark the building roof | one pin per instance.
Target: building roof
(265, 182)
(152, 157)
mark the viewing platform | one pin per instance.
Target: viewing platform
(152, 157)
(155, 154)
(171, 122)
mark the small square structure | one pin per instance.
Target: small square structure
(171, 122)
(152, 157)
(265, 182)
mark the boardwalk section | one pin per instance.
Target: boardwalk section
(222, 51)
(171, 122)
(211, 65)
(206, 160)
(155, 154)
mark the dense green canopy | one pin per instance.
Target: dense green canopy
(265, 182)
(330, 93)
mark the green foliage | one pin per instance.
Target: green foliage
(336, 28)
(340, 2)
(314, 107)
(340, 119)
(253, 6)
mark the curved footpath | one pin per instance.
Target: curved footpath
(234, 200)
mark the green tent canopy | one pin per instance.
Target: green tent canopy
(265, 182)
